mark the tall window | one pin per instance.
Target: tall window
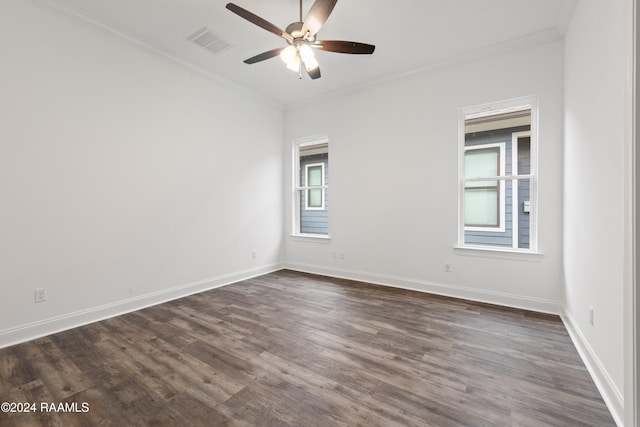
(311, 181)
(498, 176)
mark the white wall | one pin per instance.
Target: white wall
(631, 294)
(393, 186)
(123, 177)
(597, 54)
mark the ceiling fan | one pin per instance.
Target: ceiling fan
(301, 38)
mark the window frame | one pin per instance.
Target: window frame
(298, 144)
(489, 109)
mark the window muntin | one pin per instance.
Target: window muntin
(311, 188)
(497, 169)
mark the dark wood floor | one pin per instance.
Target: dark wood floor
(302, 350)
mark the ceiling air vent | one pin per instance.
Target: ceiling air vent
(209, 41)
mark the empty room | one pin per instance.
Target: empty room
(318, 213)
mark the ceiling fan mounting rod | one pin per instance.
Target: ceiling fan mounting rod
(300, 10)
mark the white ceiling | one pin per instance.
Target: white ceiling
(409, 35)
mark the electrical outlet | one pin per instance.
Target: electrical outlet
(447, 268)
(254, 254)
(334, 255)
(591, 315)
(40, 294)
(341, 255)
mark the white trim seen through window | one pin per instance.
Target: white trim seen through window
(314, 186)
(484, 200)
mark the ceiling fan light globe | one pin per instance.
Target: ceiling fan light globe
(294, 65)
(289, 54)
(306, 53)
(311, 63)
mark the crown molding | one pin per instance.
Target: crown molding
(79, 17)
(525, 42)
(565, 15)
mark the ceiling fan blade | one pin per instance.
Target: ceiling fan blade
(341, 46)
(317, 16)
(314, 74)
(264, 55)
(260, 22)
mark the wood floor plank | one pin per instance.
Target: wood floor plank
(295, 349)
(341, 405)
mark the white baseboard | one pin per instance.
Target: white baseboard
(472, 294)
(610, 394)
(50, 326)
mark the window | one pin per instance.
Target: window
(497, 176)
(311, 189)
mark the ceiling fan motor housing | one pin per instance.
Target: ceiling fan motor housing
(295, 29)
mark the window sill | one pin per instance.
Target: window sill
(489, 252)
(314, 238)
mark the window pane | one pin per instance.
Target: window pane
(480, 163)
(524, 155)
(315, 198)
(523, 213)
(315, 175)
(481, 207)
